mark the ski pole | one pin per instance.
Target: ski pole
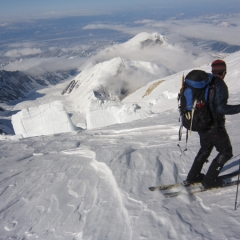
(237, 188)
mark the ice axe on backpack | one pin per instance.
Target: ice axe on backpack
(181, 117)
(179, 107)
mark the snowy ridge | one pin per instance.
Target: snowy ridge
(115, 74)
(109, 80)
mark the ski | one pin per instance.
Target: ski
(175, 185)
(198, 190)
(164, 187)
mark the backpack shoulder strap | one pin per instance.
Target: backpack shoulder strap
(211, 91)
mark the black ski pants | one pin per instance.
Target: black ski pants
(218, 138)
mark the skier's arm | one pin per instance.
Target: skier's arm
(220, 103)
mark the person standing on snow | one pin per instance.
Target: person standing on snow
(217, 135)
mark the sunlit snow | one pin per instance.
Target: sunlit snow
(93, 183)
(45, 119)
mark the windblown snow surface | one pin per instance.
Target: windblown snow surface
(93, 183)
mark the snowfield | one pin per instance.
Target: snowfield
(92, 183)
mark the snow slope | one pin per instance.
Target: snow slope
(163, 92)
(101, 114)
(93, 183)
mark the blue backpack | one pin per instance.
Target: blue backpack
(195, 114)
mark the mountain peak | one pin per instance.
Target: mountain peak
(145, 39)
(110, 80)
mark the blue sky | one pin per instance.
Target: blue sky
(11, 9)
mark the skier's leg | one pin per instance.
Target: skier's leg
(194, 174)
(223, 145)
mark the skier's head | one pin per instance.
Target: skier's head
(219, 68)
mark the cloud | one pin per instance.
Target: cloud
(22, 13)
(22, 45)
(170, 58)
(145, 21)
(175, 56)
(117, 27)
(23, 52)
(215, 27)
(37, 66)
(75, 48)
(180, 53)
(203, 28)
(23, 49)
(205, 31)
(4, 24)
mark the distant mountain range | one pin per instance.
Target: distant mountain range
(216, 46)
(16, 85)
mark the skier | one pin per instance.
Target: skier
(217, 135)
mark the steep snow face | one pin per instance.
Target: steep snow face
(110, 80)
(45, 119)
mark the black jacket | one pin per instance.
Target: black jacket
(218, 102)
